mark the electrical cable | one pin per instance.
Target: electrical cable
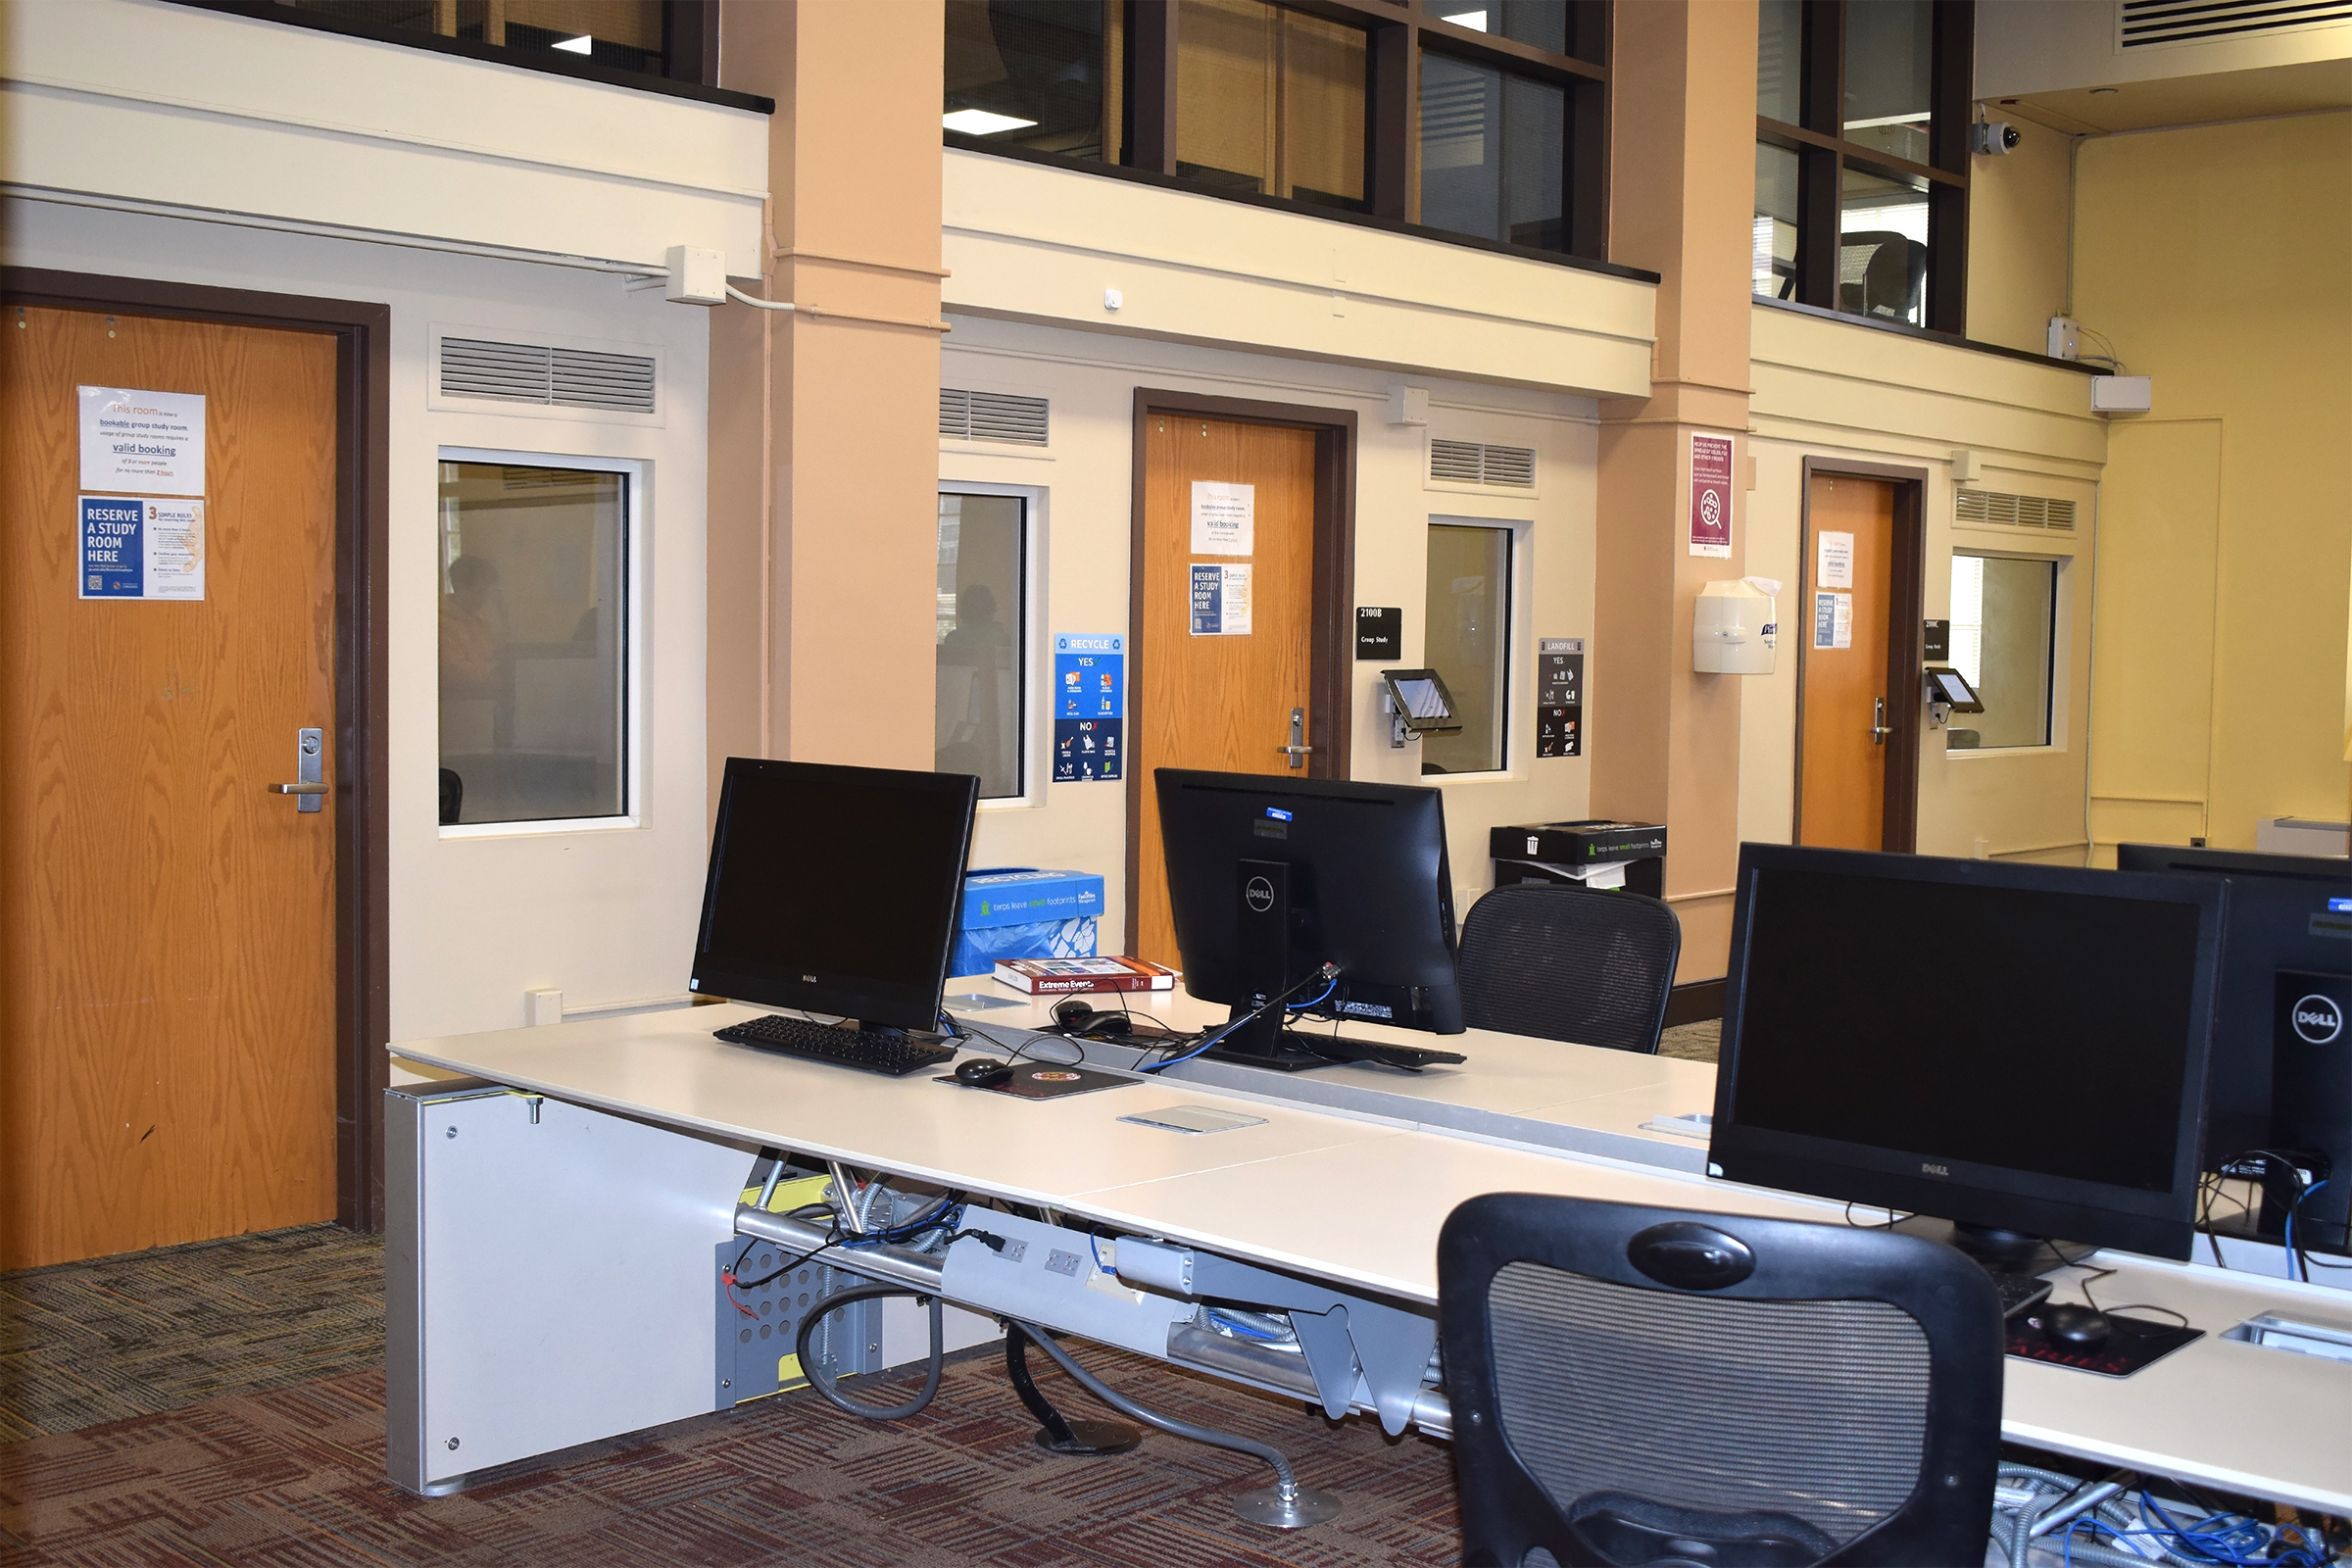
(1208, 1042)
(1286, 1480)
(2301, 1198)
(823, 1381)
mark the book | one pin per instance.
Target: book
(1044, 977)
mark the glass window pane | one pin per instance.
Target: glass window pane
(1492, 154)
(1033, 73)
(1774, 257)
(1882, 246)
(624, 34)
(980, 640)
(2004, 626)
(1544, 23)
(1780, 60)
(534, 601)
(1270, 101)
(1889, 55)
(1468, 642)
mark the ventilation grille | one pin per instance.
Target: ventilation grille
(992, 416)
(534, 373)
(2015, 511)
(1473, 463)
(2141, 23)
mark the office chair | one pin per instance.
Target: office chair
(1881, 274)
(1660, 1385)
(1564, 963)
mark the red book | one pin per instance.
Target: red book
(1045, 977)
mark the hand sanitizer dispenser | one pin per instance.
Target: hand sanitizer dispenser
(1735, 627)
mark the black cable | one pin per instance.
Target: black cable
(823, 1381)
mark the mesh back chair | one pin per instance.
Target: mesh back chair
(1565, 962)
(1669, 1387)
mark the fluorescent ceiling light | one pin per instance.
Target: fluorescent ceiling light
(980, 122)
(1475, 21)
(574, 46)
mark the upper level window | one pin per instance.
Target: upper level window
(1862, 157)
(1483, 121)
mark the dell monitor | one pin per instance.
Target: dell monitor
(2282, 1025)
(1271, 877)
(835, 890)
(2017, 1049)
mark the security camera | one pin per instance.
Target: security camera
(1993, 137)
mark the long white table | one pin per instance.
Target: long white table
(1354, 1194)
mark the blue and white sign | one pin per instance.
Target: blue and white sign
(135, 549)
(1220, 600)
(149, 443)
(1090, 706)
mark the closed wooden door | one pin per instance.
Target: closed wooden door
(1216, 693)
(167, 928)
(1844, 707)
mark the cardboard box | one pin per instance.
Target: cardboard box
(1017, 911)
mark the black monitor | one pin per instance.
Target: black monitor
(2283, 1026)
(835, 890)
(2017, 1049)
(1271, 877)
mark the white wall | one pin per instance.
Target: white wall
(606, 915)
(1826, 389)
(171, 107)
(1084, 478)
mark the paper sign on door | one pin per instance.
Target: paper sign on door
(1224, 519)
(1220, 600)
(135, 549)
(1834, 565)
(1833, 620)
(149, 443)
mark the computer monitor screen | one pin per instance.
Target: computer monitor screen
(2018, 1049)
(2277, 1081)
(835, 890)
(1361, 870)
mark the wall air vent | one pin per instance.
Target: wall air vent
(2141, 23)
(1994, 509)
(992, 416)
(1475, 463)
(552, 377)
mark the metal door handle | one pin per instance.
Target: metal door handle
(309, 769)
(1879, 730)
(1298, 751)
(297, 789)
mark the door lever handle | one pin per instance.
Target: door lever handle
(1879, 730)
(1298, 751)
(309, 768)
(296, 789)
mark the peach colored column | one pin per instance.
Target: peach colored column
(1666, 741)
(824, 425)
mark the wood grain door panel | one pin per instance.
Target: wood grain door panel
(1222, 703)
(167, 928)
(1842, 778)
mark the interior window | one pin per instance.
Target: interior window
(2004, 639)
(980, 643)
(1468, 642)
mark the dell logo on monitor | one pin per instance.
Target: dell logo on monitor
(1260, 894)
(2318, 1019)
(1935, 1170)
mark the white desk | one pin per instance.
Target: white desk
(1357, 1198)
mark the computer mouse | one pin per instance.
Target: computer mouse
(2080, 1326)
(983, 1072)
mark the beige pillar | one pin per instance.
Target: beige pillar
(824, 425)
(1665, 741)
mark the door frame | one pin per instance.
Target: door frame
(363, 834)
(1907, 599)
(1331, 645)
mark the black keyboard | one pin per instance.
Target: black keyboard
(889, 1051)
(2018, 1291)
(1413, 1058)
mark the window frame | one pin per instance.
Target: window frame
(2055, 715)
(1034, 735)
(635, 510)
(1823, 155)
(1518, 601)
(1397, 32)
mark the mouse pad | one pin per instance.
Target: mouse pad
(1044, 1080)
(2132, 1343)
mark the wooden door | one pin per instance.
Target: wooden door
(167, 928)
(1217, 699)
(1842, 620)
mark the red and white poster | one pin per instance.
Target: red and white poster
(1710, 495)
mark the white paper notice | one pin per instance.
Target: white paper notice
(1835, 563)
(1833, 620)
(1220, 600)
(148, 443)
(1224, 519)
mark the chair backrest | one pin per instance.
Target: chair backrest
(1565, 962)
(1623, 1378)
(1895, 281)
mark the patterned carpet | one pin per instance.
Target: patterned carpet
(1693, 1042)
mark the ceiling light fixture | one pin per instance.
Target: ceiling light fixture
(1475, 21)
(574, 46)
(980, 122)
